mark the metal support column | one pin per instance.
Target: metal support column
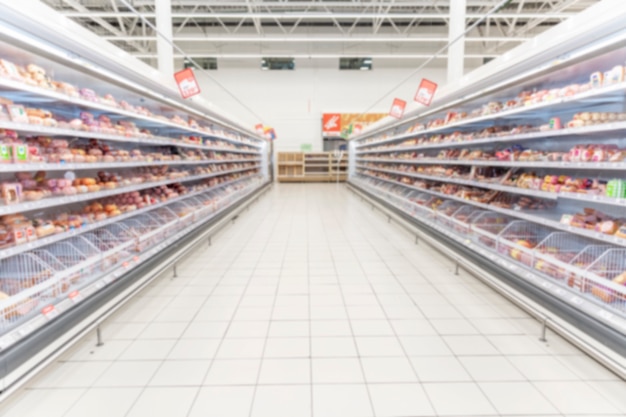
(456, 53)
(165, 52)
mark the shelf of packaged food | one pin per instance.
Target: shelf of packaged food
(108, 165)
(562, 291)
(63, 303)
(15, 250)
(610, 93)
(39, 130)
(490, 186)
(599, 166)
(60, 201)
(315, 159)
(316, 165)
(606, 128)
(582, 197)
(522, 215)
(39, 92)
(290, 163)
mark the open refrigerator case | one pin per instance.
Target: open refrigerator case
(524, 173)
(98, 175)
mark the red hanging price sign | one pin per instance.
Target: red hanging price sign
(397, 108)
(425, 92)
(259, 128)
(187, 83)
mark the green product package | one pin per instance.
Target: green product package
(616, 188)
(21, 153)
(5, 153)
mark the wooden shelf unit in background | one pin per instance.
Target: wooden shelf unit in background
(311, 167)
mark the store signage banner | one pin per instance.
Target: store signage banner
(425, 92)
(187, 83)
(269, 132)
(331, 124)
(397, 108)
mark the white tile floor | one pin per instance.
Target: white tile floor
(312, 305)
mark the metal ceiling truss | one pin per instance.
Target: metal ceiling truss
(415, 22)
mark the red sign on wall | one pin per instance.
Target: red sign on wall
(187, 83)
(397, 108)
(425, 92)
(331, 123)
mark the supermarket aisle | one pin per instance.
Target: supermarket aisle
(312, 305)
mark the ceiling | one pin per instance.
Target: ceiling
(393, 29)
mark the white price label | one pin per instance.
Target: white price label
(577, 301)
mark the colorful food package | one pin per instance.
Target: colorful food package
(614, 76)
(596, 79)
(616, 188)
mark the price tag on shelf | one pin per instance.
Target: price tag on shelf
(75, 296)
(577, 301)
(50, 312)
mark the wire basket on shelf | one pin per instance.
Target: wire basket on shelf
(519, 238)
(423, 204)
(153, 230)
(554, 254)
(577, 278)
(487, 226)
(463, 218)
(19, 274)
(444, 212)
(63, 256)
(607, 278)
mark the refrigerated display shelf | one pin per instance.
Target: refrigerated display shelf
(61, 166)
(29, 129)
(581, 197)
(68, 299)
(491, 186)
(534, 218)
(41, 242)
(38, 93)
(615, 319)
(599, 166)
(606, 128)
(613, 93)
(59, 201)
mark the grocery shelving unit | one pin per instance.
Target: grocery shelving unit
(524, 169)
(102, 169)
(290, 166)
(311, 167)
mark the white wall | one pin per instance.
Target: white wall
(293, 101)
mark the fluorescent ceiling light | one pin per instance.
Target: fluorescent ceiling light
(317, 15)
(316, 39)
(313, 56)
